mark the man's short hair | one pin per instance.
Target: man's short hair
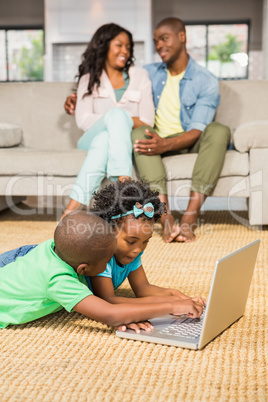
(176, 24)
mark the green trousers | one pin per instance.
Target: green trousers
(210, 147)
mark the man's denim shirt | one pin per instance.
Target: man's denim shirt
(199, 93)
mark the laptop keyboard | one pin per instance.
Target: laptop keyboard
(185, 328)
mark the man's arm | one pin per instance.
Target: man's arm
(70, 104)
(204, 109)
(202, 114)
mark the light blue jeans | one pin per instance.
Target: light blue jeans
(12, 255)
(109, 153)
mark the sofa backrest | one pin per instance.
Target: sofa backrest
(37, 107)
(242, 101)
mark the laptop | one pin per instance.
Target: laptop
(226, 304)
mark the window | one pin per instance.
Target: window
(21, 54)
(221, 48)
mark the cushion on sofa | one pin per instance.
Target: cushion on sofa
(10, 135)
(253, 134)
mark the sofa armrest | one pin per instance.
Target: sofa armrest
(253, 134)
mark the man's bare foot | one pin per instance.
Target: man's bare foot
(188, 224)
(171, 229)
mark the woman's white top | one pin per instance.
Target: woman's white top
(137, 99)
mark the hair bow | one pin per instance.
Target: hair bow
(147, 210)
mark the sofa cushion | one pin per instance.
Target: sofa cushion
(181, 166)
(37, 107)
(242, 101)
(10, 135)
(28, 161)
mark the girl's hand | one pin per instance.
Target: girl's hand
(179, 294)
(189, 307)
(137, 326)
(200, 300)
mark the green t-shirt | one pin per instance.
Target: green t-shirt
(38, 284)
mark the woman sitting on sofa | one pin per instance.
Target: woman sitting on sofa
(113, 98)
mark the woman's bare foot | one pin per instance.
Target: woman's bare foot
(171, 229)
(72, 206)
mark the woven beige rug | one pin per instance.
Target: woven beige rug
(65, 357)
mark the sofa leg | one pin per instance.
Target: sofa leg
(258, 197)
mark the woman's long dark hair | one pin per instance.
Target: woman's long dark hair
(93, 59)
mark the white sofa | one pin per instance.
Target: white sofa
(46, 161)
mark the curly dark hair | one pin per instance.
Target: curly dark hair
(120, 197)
(93, 59)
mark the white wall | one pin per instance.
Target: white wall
(265, 39)
(73, 22)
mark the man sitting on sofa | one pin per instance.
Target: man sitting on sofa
(186, 96)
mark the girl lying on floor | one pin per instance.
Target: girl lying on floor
(132, 208)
